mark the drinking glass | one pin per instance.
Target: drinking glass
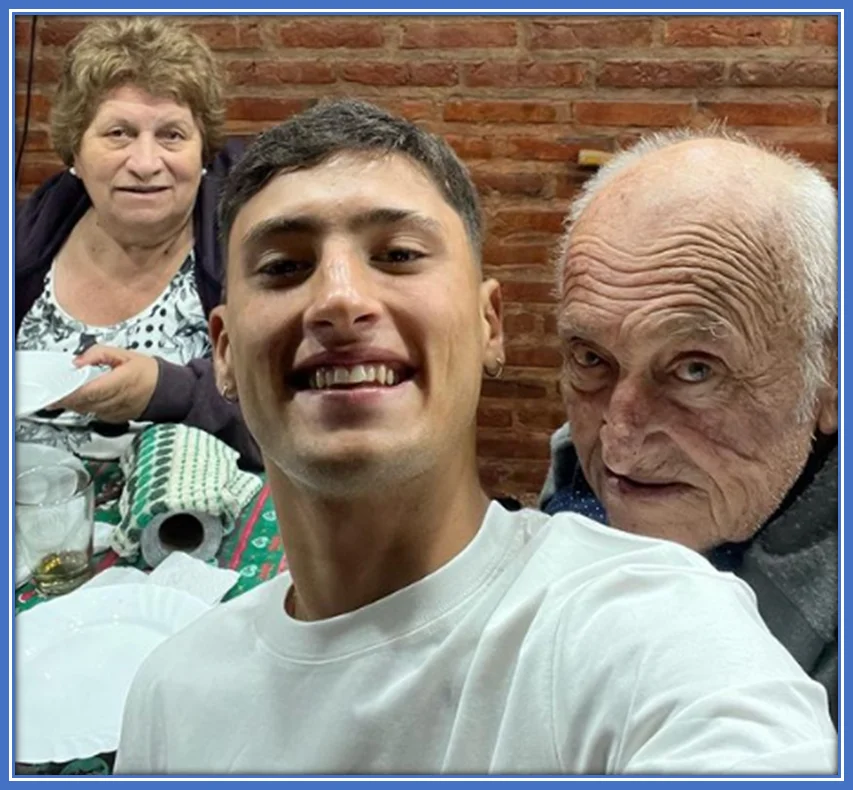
(54, 514)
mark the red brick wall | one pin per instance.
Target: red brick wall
(518, 97)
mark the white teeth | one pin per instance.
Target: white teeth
(324, 378)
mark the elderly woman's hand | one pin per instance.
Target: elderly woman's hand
(120, 395)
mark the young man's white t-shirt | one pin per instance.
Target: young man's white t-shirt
(550, 645)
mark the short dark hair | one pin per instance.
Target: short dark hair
(339, 125)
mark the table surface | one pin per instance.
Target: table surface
(253, 548)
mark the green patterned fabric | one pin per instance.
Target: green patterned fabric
(176, 468)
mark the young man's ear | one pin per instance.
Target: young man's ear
(222, 363)
(493, 335)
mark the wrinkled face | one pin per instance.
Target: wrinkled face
(356, 325)
(681, 377)
(140, 161)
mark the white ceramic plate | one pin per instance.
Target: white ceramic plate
(44, 377)
(28, 455)
(76, 658)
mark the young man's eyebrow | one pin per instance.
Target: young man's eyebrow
(279, 226)
(307, 224)
(394, 216)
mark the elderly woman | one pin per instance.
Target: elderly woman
(117, 257)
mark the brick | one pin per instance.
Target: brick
(39, 107)
(499, 111)
(550, 327)
(37, 139)
(395, 74)
(413, 109)
(507, 222)
(536, 255)
(467, 35)
(45, 69)
(273, 72)
(569, 183)
(817, 151)
(230, 35)
(510, 183)
(603, 34)
(765, 113)
(244, 130)
(548, 419)
(262, 109)
(23, 30)
(660, 74)
(832, 112)
(533, 356)
(330, 33)
(59, 31)
(530, 475)
(433, 74)
(535, 292)
(809, 73)
(822, 30)
(375, 73)
(470, 147)
(512, 448)
(516, 324)
(561, 149)
(494, 416)
(627, 113)
(524, 75)
(728, 31)
(513, 389)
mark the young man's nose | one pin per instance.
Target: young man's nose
(342, 298)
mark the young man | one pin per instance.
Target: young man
(423, 628)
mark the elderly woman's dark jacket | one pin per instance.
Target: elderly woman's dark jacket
(185, 393)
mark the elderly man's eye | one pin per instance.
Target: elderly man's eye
(693, 371)
(585, 357)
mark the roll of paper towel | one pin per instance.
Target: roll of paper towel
(183, 492)
(196, 534)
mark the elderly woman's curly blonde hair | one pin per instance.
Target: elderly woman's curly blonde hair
(160, 57)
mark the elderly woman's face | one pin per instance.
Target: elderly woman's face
(682, 376)
(140, 161)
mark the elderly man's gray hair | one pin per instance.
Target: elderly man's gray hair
(808, 220)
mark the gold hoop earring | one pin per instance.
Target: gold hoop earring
(228, 394)
(497, 371)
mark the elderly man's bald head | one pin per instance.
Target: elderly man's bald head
(698, 302)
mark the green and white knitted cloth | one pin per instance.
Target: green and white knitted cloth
(178, 469)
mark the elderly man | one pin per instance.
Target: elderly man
(698, 320)
(422, 628)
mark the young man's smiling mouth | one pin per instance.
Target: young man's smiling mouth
(360, 375)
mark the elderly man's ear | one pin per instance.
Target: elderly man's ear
(222, 362)
(827, 413)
